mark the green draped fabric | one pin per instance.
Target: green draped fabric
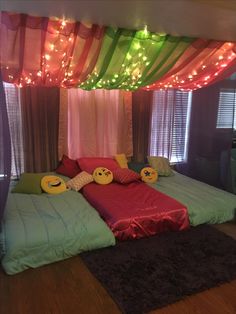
(131, 59)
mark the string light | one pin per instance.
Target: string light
(130, 73)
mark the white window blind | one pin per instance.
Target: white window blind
(226, 117)
(169, 127)
(15, 125)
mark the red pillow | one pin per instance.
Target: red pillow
(68, 167)
(89, 164)
(124, 175)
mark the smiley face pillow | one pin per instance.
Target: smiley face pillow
(53, 185)
(149, 175)
(102, 175)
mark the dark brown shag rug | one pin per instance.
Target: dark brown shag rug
(146, 274)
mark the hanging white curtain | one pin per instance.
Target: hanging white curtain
(99, 123)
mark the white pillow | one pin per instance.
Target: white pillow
(79, 181)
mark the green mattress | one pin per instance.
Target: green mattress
(205, 203)
(41, 229)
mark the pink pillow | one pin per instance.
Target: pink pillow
(124, 175)
(89, 164)
(68, 167)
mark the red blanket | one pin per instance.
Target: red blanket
(136, 210)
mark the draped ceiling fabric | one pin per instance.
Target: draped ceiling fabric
(131, 59)
(45, 51)
(53, 52)
(204, 62)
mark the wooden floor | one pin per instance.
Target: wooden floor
(68, 287)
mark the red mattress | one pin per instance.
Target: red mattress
(136, 210)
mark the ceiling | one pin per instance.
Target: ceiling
(212, 19)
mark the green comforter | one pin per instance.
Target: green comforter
(205, 203)
(41, 229)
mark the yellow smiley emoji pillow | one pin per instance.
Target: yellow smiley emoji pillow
(149, 175)
(102, 175)
(53, 185)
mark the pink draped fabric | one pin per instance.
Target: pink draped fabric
(45, 51)
(99, 123)
(204, 62)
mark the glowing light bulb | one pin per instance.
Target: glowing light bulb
(63, 23)
(137, 46)
(47, 57)
(128, 56)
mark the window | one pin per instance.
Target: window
(169, 127)
(226, 117)
(14, 117)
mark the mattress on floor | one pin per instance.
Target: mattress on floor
(41, 229)
(205, 203)
(136, 210)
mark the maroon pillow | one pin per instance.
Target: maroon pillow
(89, 164)
(124, 175)
(68, 167)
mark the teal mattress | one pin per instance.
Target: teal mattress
(205, 203)
(41, 229)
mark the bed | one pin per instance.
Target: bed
(205, 203)
(136, 210)
(41, 229)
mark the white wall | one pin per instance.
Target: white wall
(212, 19)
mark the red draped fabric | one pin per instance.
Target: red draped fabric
(204, 62)
(46, 51)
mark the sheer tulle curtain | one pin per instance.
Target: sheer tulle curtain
(99, 123)
(5, 151)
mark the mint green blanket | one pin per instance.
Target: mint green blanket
(205, 203)
(41, 229)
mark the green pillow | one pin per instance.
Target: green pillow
(161, 165)
(29, 183)
(136, 166)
